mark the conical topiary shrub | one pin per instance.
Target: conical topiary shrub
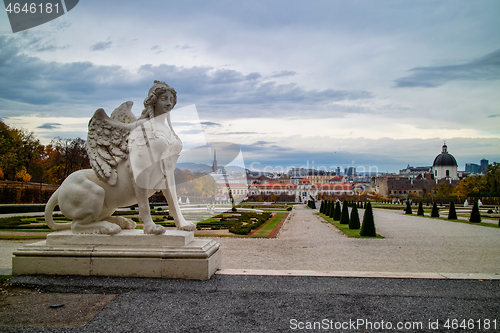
(475, 216)
(368, 227)
(408, 208)
(420, 211)
(435, 211)
(313, 204)
(338, 212)
(354, 220)
(344, 219)
(322, 206)
(331, 211)
(452, 213)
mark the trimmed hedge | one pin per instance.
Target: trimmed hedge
(14, 209)
(408, 208)
(420, 211)
(368, 227)
(475, 216)
(338, 212)
(452, 213)
(354, 220)
(435, 210)
(344, 219)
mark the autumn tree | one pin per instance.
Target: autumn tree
(470, 185)
(23, 176)
(18, 149)
(444, 190)
(195, 184)
(492, 179)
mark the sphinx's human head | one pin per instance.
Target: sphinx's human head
(158, 90)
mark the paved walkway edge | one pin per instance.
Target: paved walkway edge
(389, 275)
(394, 275)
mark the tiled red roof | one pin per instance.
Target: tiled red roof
(304, 181)
(333, 186)
(276, 185)
(337, 178)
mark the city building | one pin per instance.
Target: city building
(404, 187)
(483, 166)
(445, 165)
(471, 168)
(350, 171)
(304, 189)
(239, 192)
(411, 171)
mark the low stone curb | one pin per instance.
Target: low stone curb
(359, 274)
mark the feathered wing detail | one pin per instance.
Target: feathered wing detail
(107, 143)
(124, 114)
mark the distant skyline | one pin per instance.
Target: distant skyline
(325, 83)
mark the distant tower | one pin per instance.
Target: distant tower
(483, 166)
(214, 164)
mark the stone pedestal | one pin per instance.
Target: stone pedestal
(131, 253)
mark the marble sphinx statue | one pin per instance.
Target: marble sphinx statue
(131, 159)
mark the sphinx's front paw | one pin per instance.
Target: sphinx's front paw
(154, 229)
(185, 225)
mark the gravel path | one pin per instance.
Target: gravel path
(411, 244)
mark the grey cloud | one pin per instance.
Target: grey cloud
(49, 125)
(184, 123)
(283, 74)
(494, 116)
(481, 69)
(61, 25)
(38, 44)
(100, 46)
(62, 134)
(216, 92)
(184, 47)
(46, 47)
(385, 155)
(157, 49)
(253, 76)
(231, 133)
(210, 123)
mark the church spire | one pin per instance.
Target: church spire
(445, 148)
(214, 164)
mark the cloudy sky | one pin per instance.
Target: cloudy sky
(370, 84)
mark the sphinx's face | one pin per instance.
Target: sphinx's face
(164, 103)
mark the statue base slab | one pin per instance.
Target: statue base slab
(131, 253)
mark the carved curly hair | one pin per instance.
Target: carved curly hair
(158, 88)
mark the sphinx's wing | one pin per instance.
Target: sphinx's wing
(107, 143)
(124, 114)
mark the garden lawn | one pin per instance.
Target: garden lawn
(268, 227)
(484, 224)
